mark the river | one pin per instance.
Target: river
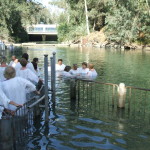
(68, 129)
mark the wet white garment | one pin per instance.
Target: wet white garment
(66, 74)
(16, 88)
(92, 73)
(2, 78)
(74, 72)
(29, 66)
(13, 64)
(60, 67)
(4, 101)
(83, 72)
(27, 74)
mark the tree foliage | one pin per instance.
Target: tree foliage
(124, 21)
(16, 15)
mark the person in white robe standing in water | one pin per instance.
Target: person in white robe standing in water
(16, 87)
(60, 66)
(92, 72)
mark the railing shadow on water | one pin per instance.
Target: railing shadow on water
(15, 130)
(103, 99)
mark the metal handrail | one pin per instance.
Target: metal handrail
(35, 103)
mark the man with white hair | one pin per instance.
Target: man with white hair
(4, 102)
(16, 88)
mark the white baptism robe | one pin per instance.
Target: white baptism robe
(2, 78)
(4, 101)
(66, 74)
(13, 64)
(74, 72)
(27, 74)
(92, 73)
(83, 72)
(60, 67)
(29, 66)
(15, 89)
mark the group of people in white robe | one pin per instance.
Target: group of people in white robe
(86, 71)
(17, 79)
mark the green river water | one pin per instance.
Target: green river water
(70, 128)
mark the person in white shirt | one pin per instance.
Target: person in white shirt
(16, 87)
(2, 67)
(4, 102)
(66, 73)
(92, 72)
(84, 70)
(26, 73)
(14, 61)
(60, 66)
(29, 64)
(74, 71)
(35, 65)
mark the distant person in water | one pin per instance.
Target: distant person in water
(3, 65)
(66, 72)
(60, 66)
(74, 71)
(92, 72)
(14, 61)
(83, 71)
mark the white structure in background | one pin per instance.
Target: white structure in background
(43, 30)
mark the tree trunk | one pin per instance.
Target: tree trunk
(87, 18)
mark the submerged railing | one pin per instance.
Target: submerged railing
(106, 99)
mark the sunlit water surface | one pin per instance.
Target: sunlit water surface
(69, 127)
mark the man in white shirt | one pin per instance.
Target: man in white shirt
(4, 102)
(75, 70)
(16, 88)
(14, 61)
(60, 66)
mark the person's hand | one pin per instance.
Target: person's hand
(19, 105)
(38, 92)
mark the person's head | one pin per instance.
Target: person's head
(91, 66)
(13, 58)
(34, 65)
(75, 67)
(84, 65)
(9, 72)
(25, 56)
(60, 61)
(36, 60)
(67, 68)
(23, 62)
(3, 60)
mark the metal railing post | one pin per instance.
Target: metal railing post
(54, 71)
(52, 80)
(46, 86)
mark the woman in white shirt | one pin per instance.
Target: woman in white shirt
(84, 70)
(74, 71)
(2, 67)
(92, 72)
(26, 73)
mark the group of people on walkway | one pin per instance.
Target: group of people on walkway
(17, 80)
(86, 71)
